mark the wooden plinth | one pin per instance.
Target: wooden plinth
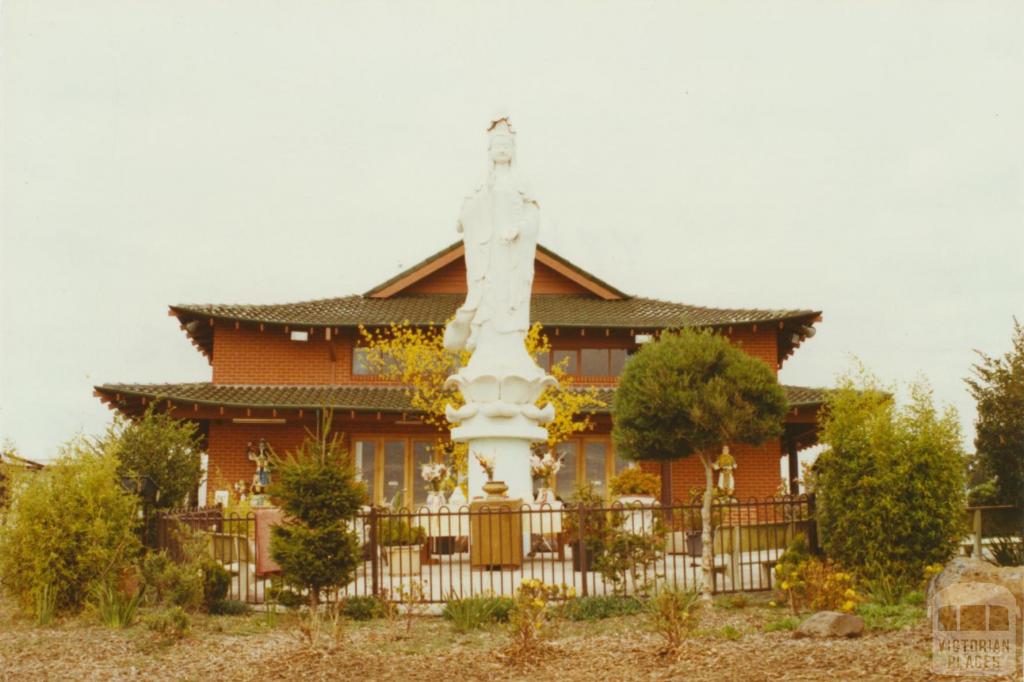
(495, 534)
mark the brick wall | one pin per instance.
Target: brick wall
(757, 473)
(249, 356)
(226, 446)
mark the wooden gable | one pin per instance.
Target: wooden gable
(445, 273)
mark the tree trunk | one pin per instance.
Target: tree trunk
(706, 559)
(313, 599)
(666, 483)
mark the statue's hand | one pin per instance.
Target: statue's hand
(510, 235)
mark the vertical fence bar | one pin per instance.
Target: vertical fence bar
(581, 546)
(374, 554)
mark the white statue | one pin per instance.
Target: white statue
(501, 383)
(499, 224)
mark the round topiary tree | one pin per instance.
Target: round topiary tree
(690, 393)
(890, 485)
(316, 488)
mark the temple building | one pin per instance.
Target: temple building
(276, 367)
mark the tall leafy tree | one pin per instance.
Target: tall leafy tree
(159, 459)
(316, 488)
(688, 394)
(890, 484)
(997, 384)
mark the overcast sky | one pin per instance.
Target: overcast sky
(865, 159)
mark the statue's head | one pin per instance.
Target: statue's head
(502, 147)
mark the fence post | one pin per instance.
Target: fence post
(374, 553)
(977, 534)
(815, 529)
(582, 546)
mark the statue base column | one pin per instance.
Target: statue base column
(511, 465)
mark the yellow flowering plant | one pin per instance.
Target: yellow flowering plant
(531, 611)
(415, 358)
(808, 582)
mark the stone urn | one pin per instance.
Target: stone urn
(638, 513)
(496, 490)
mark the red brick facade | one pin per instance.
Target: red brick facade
(255, 354)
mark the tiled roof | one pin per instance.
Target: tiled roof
(452, 247)
(551, 310)
(348, 397)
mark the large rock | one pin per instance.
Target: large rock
(965, 570)
(831, 624)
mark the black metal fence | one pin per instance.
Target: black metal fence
(489, 547)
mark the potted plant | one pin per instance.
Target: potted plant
(542, 469)
(635, 488)
(633, 484)
(435, 475)
(586, 507)
(403, 545)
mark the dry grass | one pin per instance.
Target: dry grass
(246, 648)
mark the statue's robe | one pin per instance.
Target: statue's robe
(499, 223)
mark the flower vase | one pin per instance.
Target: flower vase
(457, 500)
(435, 500)
(495, 490)
(545, 496)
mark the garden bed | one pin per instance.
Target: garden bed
(736, 640)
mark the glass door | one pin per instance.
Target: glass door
(394, 470)
(595, 465)
(566, 478)
(422, 453)
(365, 465)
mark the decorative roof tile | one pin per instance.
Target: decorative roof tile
(551, 310)
(341, 397)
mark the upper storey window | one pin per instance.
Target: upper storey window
(588, 362)
(361, 363)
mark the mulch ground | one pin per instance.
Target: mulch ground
(247, 648)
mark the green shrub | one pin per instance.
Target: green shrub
(1008, 551)
(628, 555)
(397, 531)
(890, 486)
(316, 547)
(887, 589)
(285, 596)
(160, 455)
(216, 582)
(45, 605)
(116, 610)
(888, 617)
(635, 481)
(674, 614)
(230, 607)
(362, 608)
(997, 384)
(472, 613)
(166, 582)
(733, 601)
(729, 632)
(601, 607)
(67, 528)
(172, 622)
(914, 598)
(780, 624)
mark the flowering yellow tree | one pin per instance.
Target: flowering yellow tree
(415, 357)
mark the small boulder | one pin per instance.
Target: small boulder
(831, 624)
